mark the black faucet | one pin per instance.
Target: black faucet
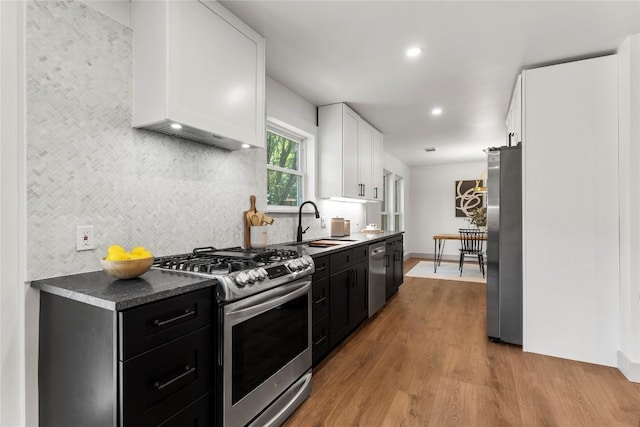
(300, 231)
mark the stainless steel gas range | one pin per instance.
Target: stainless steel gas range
(264, 329)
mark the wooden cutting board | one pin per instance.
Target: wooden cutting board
(253, 217)
(325, 243)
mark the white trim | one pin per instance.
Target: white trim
(307, 161)
(12, 214)
(630, 369)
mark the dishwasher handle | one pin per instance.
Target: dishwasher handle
(377, 251)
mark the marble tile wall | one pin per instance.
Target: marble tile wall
(87, 166)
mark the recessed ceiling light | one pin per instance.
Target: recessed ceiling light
(176, 126)
(436, 111)
(412, 52)
(245, 146)
(430, 149)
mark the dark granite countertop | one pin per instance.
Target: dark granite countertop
(354, 239)
(101, 290)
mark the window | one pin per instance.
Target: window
(384, 220)
(398, 195)
(285, 167)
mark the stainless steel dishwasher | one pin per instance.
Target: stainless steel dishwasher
(377, 275)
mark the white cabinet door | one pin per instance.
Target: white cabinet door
(350, 135)
(365, 140)
(377, 150)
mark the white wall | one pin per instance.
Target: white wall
(629, 159)
(12, 216)
(570, 211)
(432, 196)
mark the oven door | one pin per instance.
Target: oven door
(266, 347)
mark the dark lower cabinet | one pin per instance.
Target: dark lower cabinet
(394, 263)
(358, 295)
(320, 311)
(147, 366)
(198, 414)
(341, 284)
(340, 293)
(348, 303)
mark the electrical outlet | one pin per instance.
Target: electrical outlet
(84, 237)
(323, 223)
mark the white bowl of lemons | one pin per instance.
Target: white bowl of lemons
(126, 265)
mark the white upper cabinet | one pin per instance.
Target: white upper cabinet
(365, 141)
(350, 155)
(197, 65)
(377, 150)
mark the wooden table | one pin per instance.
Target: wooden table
(438, 246)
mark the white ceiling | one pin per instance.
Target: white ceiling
(353, 52)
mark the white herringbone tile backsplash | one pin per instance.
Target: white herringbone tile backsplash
(87, 166)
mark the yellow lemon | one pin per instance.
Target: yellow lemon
(118, 256)
(115, 249)
(138, 250)
(141, 255)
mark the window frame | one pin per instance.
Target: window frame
(306, 160)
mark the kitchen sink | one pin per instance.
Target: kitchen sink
(322, 243)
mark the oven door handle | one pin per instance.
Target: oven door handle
(265, 301)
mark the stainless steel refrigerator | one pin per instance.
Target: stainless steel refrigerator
(504, 244)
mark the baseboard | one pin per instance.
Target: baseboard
(629, 368)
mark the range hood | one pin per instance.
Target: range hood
(199, 73)
(196, 135)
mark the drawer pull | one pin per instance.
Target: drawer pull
(186, 314)
(323, 268)
(320, 301)
(187, 370)
(320, 341)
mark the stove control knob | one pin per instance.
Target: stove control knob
(242, 279)
(295, 265)
(253, 276)
(262, 273)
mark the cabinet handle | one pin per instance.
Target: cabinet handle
(376, 192)
(350, 282)
(364, 189)
(187, 370)
(386, 260)
(186, 314)
(321, 340)
(323, 268)
(320, 301)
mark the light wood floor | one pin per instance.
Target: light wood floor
(424, 360)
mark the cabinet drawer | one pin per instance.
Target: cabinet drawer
(322, 267)
(198, 414)
(360, 254)
(319, 298)
(320, 339)
(143, 328)
(163, 381)
(340, 261)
